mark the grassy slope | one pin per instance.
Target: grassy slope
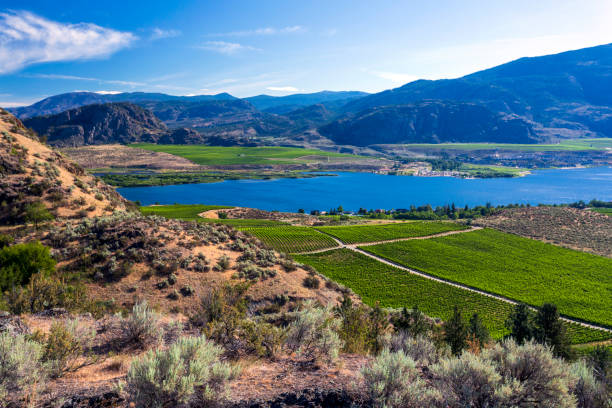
(290, 239)
(392, 287)
(607, 211)
(519, 268)
(216, 155)
(372, 233)
(568, 145)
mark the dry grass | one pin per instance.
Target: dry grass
(582, 230)
(120, 156)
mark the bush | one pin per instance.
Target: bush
(223, 263)
(362, 327)
(20, 365)
(392, 381)
(531, 373)
(44, 293)
(19, 262)
(142, 326)
(420, 348)
(467, 381)
(313, 333)
(65, 346)
(169, 377)
(589, 392)
(311, 282)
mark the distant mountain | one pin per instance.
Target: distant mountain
(285, 104)
(60, 103)
(562, 95)
(427, 122)
(99, 124)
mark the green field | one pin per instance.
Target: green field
(180, 211)
(371, 233)
(392, 287)
(234, 155)
(567, 145)
(530, 271)
(290, 239)
(607, 211)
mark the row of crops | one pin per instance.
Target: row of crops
(352, 234)
(375, 282)
(290, 239)
(530, 271)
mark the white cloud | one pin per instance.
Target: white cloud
(159, 34)
(227, 48)
(108, 92)
(395, 77)
(282, 88)
(262, 31)
(26, 39)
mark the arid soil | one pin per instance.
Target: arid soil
(119, 156)
(573, 228)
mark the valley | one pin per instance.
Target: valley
(442, 244)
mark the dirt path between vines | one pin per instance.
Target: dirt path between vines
(355, 247)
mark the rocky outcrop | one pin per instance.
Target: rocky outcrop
(428, 122)
(99, 124)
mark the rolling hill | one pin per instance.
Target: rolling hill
(563, 95)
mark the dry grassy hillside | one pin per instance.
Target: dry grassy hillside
(31, 171)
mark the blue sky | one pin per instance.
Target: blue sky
(274, 47)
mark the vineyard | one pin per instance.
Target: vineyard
(179, 211)
(518, 268)
(382, 232)
(392, 287)
(291, 239)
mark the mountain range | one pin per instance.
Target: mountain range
(529, 100)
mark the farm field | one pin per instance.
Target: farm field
(290, 239)
(526, 270)
(606, 211)
(180, 211)
(217, 155)
(567, 145)
(375, 282)
(371, 233)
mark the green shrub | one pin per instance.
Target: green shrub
(36, 213)
(66, 345)
(187, 371)
(20, 365)
(313, 333)
(392, 381)
(142, 326)
(19, 262)
(5, 240)
(46, 292)
(362, 327)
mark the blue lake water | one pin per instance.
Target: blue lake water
(354, 190)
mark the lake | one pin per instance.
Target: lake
(355, 190)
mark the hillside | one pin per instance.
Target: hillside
(59, 103)
(99, 124)
(285, 104)
(32, 172)
(563, 95)
(427, 122)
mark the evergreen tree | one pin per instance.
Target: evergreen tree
(519, 323)
(478, 330)
(455, 332)
(549, 329)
